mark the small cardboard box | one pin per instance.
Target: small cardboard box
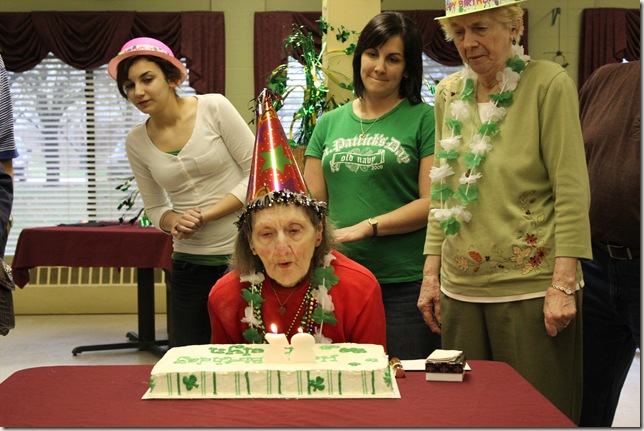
(449, 367)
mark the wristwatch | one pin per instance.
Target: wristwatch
(374, 225)
(566, 290)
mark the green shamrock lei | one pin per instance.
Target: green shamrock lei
(324, 277)
(450, 217)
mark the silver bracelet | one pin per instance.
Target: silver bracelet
(566, 290)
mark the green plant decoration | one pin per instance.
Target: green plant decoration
(129, 202)
(317, 99)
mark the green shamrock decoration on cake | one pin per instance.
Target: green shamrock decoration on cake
(190, 382)
(317, 384)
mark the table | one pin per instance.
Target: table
(493, 394)
(102, 245)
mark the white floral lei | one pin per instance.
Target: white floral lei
(450, 217)
(323, 312)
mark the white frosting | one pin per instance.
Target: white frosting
(346, 370)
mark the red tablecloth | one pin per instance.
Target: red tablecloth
(102, 246)
(492, 395)
(91, 246)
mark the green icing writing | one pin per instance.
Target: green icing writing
(236, 350)
(190, 382)
(354, 364)
(330, 358)
(352, 350)
(328, 347)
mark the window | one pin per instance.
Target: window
(70, 128)
(433, 72)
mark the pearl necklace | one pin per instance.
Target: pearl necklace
(450, 218)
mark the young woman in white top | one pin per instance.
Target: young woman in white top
(191, 159)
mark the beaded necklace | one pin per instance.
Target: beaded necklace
(306, 320)
(316, 307)
(450, 217)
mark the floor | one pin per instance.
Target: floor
(49, 340)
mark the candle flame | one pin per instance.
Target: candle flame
(273, 328)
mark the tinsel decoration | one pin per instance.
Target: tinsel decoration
(300, 44)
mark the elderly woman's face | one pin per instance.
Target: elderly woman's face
(482, 42)
(284, 238)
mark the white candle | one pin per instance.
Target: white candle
(274, 352)
(302, 347)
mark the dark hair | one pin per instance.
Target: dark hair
(170, 71)
(379, 30)
(246, 262)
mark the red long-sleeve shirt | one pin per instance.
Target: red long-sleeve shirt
(357, 300)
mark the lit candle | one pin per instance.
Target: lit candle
(274, 351)
(302, 344)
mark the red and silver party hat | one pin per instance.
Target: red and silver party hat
(274, 167)
(275, 178)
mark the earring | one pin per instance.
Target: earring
(514, 41)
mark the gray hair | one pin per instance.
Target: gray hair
(510, 15)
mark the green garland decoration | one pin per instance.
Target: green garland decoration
(300, 44)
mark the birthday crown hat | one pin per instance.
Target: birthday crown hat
(273, 167)
(275, 177)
